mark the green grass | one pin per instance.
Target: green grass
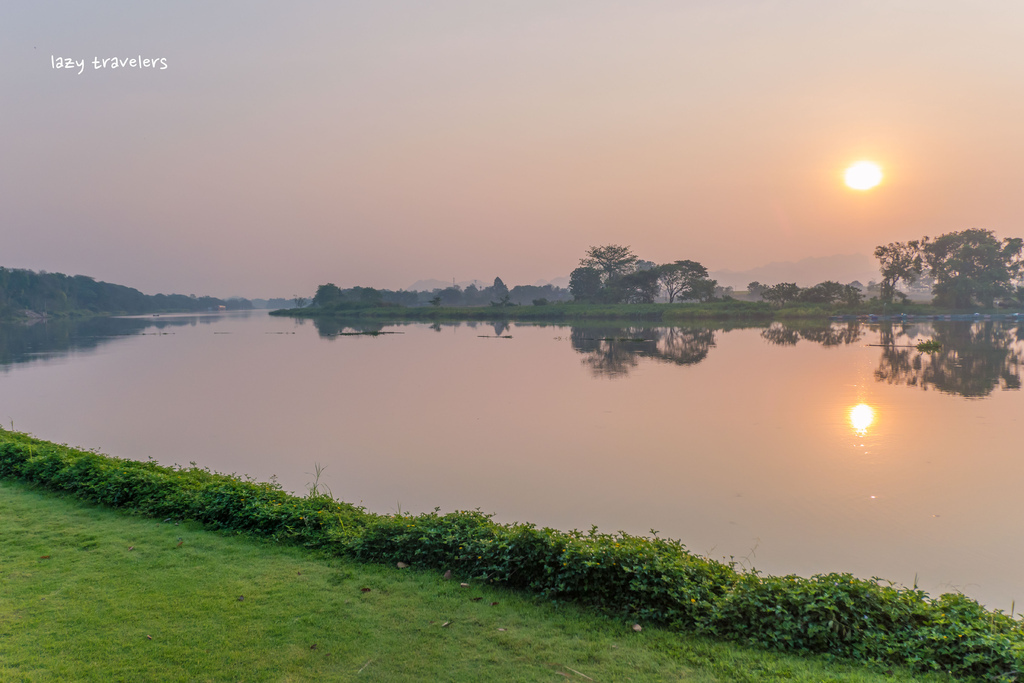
(92, 594)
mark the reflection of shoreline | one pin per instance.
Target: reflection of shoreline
(22, 343)
(974, 358)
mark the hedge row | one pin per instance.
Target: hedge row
(642, 579)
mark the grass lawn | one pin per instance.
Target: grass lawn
(92, 594)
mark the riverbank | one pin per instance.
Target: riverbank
(91, 594)
(732, 310)
(650, 581)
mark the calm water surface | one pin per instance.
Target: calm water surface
(743, 442)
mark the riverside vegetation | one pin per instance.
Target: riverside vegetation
(94, 594)
(650, 581)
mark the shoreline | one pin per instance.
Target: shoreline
(653, 580)
(738, 311)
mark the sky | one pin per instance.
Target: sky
(377, 143)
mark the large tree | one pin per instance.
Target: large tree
(972, 266)
(610, 261)
(327, 294)
(638, 287)
(585, 284)
(898, 261)
(686, 280)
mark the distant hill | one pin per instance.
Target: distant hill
(806, 272)
(28, 293)
(562, 282)
(432, 284)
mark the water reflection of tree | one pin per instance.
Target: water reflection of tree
(975, 358)
(614, 351)
(21, 343)
(332, 327)
(834, 334)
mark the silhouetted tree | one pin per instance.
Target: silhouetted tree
(499, 290)
(898, 261)
(755, 289)
(585, 284)
(686, 280)
(638, 287)
(781, 293)
(610, 261)
(972, 266)
(327, 294)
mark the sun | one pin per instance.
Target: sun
(863, 175)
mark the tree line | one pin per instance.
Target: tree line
(965, 268)
(613, 274)
(57, 293)
(498, 294)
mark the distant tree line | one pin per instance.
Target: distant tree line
(56, 293)
(966, 268)
(498, 294)
(827, 292)
(961, 269)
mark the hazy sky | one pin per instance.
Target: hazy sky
(377, 143)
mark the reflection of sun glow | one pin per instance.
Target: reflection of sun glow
(861, 417)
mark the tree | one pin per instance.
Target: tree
(822, 293)
(327, 294)
(499, 290)
(830, 292)
(852, 295)
(898, 261)
(610, 260)
(450, 296)
(686, 280)
(368, 295)
(755, 289)
(972, 266)
(585, 284)
(299, 301)
(672, 279)
(638, 287)
(781, 293)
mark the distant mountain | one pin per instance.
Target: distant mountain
(806, 272)
(562, 282)
(432, 284)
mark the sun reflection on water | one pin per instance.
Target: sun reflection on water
(861, 417)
